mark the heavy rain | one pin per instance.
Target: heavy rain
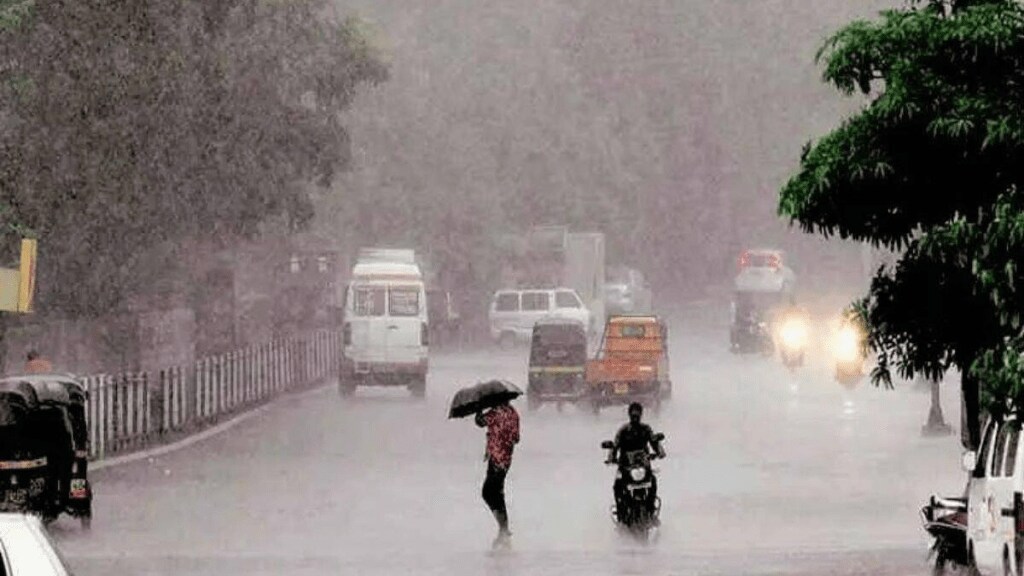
(468, 287)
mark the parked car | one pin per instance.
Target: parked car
(995, 508)
(514, 312)
(626, 291)
(26, 549)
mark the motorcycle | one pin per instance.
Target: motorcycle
(793, 336)
(639, 507)
(945, 519)
(848, 350)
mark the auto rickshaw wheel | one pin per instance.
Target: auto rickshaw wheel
(86, 520)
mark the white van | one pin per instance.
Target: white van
(385, 328)
(514, 312)
(995, 514)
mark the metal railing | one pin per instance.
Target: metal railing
(132, 411)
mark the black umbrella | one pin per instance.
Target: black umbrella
(482, 396)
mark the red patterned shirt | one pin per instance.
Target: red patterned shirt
(502, 434)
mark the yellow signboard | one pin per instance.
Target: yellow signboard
(27, 275)
(17, 287)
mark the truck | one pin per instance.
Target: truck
(386, 323)
(553, 257)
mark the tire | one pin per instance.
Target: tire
(418, 387)
(532, 402)
(86, 520)
(595, 407)
(346, 387)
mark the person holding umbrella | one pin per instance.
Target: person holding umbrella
(490, 404)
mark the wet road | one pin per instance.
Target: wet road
(768, 472)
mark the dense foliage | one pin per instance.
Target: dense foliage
(132, 125)
(932, 168)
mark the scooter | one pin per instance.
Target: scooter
(639, 509)
(850, 360)
(946, 520)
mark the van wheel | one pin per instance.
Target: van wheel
(418, 387)
(507, 341)
(532, 402)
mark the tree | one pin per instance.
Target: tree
(932, 167)
(143, 125)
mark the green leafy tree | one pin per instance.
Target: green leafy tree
(133, 126)
(931, 167)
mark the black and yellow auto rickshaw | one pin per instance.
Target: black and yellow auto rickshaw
(61, 428)
(558, 358)
(23, 464)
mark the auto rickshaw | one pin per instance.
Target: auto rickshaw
(558, 359)
(63, 429)
(23, 465)
(631, 364)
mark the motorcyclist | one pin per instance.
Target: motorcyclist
(631, 437)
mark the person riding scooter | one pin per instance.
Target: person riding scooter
(634, 437)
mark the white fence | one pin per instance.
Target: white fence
(132, 411)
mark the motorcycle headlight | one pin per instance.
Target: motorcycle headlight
(793, 334)
(637, 474)
(847, 345)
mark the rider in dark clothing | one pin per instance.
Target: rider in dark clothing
(633, 436)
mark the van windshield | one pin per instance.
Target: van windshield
(405, 301)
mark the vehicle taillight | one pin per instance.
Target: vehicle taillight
(424, 338)
(744, 260)
(774, 261)
(347, 334)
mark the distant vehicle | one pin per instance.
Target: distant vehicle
(386, 327)
(26, 549)
(764, 270)
(445, 321)
(514, 312)
(631, 365)
(626, 291)
(995, 500)
(558, 360)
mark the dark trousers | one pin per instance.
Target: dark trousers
(494, 493)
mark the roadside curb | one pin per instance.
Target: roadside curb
(204, 435)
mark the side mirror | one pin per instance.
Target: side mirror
(659, 437)
(607, 444)
(969, 461)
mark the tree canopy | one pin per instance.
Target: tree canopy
(132, 125)
(931, 167)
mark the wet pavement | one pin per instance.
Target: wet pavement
(769, 472)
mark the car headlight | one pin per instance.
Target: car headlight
(793, 333)
(637, 474)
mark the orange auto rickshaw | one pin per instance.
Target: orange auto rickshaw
(631, 364)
